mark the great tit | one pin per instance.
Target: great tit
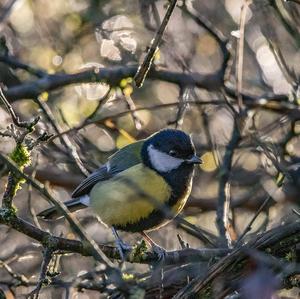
(140, 186)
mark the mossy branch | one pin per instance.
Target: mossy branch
(19, 131)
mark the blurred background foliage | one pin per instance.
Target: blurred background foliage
(74, 35)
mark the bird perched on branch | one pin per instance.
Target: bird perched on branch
(142, 187)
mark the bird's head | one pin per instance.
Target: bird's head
(168, 149)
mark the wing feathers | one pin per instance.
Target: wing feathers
(125, 158)
(72, 205)
(87, 184)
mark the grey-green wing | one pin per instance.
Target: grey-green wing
(124, 158)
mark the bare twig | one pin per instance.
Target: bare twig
(282, 14)
(123, 113)
(64, 245)
(240, 53)
(223, 42)
(131, 106)
(296, 1)
(19, 277)
(5, 11)
(97, 253)
(296, 212)
(20, 153)
(30, 206)
(100, 105)
(16, 64)
(261, 208)
(249, 226)
(183, 98)
(227, 266)
(223, 200)
(64, 138)
(34, 294)
(22, 124)
(250, 101)
(147, 62)
(182, 243)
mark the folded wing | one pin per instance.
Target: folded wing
(123, 159)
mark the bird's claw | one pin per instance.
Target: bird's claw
(160, 252)
(123, 248)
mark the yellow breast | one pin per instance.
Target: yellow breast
(130, 196)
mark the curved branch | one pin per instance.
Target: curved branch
(62, 244)
(278, 242)
(112, 76)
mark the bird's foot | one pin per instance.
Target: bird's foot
(123, 248)
(159, 251)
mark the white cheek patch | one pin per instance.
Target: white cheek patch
(163, 162)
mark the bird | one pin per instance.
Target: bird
(141, 187)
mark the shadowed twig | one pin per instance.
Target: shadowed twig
(251, 102)
(223, 199)
(282, 238)
(147, 62)
(63, 138)
(96, 252)
(22, 124)
(240, 53)
(16, 64)
(5, 11)
(34, 294)
(20, 278)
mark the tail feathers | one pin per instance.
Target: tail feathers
(73, 205)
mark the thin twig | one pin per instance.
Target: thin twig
(218, 36)
(16, 64)
(183, 98)
(295, 1)
(34, 294)
(240, 53)
(182, 243)
(251, 102)
(31, 208)
(100, 105)
(64, 138)
(97, 252)
(63, 246)
(249, 226)
(5, 11)
(296, 212)
(19, 277)
(227, 266)
(147, 62)
(131, 106)
(207, 25)
(261, 208)
(283, 15)
(223, 196)
(124, 113)
(15, 118)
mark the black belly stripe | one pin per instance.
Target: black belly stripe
(179, 181)
(153, 221)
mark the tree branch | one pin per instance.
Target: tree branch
(278, 241)
(112, 76)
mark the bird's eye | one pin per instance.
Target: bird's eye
(173, 153)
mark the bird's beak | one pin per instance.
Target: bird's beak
(194, 160)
